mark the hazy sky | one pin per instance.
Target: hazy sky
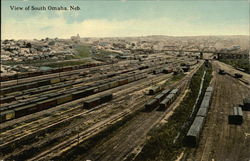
(125, 18)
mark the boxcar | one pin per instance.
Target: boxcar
(160, 97)
(171, 97)
(7, 99)
(8, 115)
(55, 80)
(205, 102)
(31, 85)
(65, 69)
(114, 84)
(209, 89)
(202, 112)
(6, 90)
(43, 82)
(25, 110)
(103, 87)
(175, 91)
(238, 75)
(246, 104)
(46, 104)
(78, 94)
(164, 104)
(64, 98)
(151, 104)
(236, 116)
(106, 98)
(91, 103)
(90, 91)
(154, 90)
(166, 91)
(22, 75)
(167, 70)
(131, 79)
(193, 135)
(122, 82)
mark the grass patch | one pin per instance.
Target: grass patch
(84, 51)
(166, 142)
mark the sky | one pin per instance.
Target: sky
(122, 18)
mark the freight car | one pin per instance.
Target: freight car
(21, 87)
(246, 104)
(161, 100)
(193, 135)
(167, 70)
(164, 104)
(150, 105)
(7, 115)
(56, 70)
(7, 99)
(97, 101)
(236, 116)
(157, 71)
(155, 89)
(222, 72)
(202, 112)
(51, 100)
(160, 97)
(238, 75)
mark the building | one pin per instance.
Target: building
(76, 38)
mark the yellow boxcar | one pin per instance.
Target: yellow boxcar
(55, 80)
(10, 115)
(64, 99)
(114, 84)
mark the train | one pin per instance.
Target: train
(194, 132)
(163, 99)
(56, 70)
(51, 100)
(51, 81)
(97, 101)
(46, 101)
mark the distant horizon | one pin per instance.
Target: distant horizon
(124, 18)
(125, 37)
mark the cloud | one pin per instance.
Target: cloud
(42, 26)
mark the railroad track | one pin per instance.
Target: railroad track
(59, 89)
(106, 67)
(74, 141)
(79, 138)
(72, 110)
(31, 131)
(73, 84)
(77, 125)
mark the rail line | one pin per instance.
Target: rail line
(74, 141)
(31, 131)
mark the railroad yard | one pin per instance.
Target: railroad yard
(125, 80)
(107, 111)
(220, 140)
